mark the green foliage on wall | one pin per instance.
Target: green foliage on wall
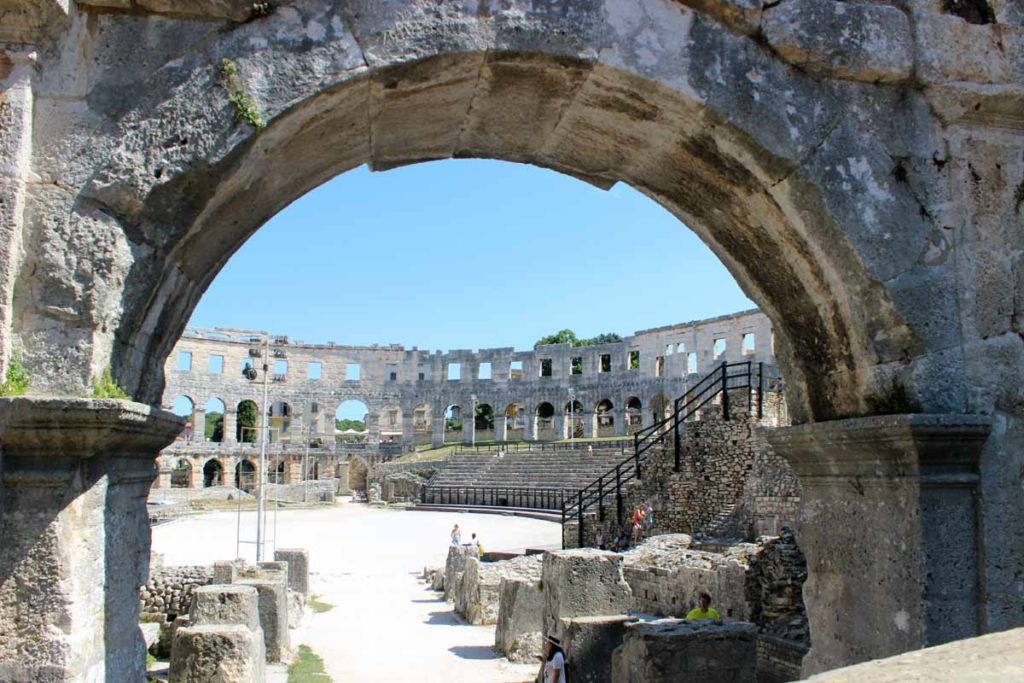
(17, 381)
(104, 386)
(569, 337)
(246, 108)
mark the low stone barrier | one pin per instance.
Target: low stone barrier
(520, 621)
(168, 592)
(582, 583)
(673, 650)
(478, 597)
(312, 491)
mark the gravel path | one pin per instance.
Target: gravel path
(386, 625)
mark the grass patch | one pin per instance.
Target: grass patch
(318, 606)
(150, 660)
(307, 668)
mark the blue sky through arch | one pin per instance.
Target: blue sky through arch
(467, 254)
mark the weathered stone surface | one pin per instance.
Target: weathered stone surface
(846, 40)
(589, 643)
(273, 611)
(995, 657)
(949, 49)
(298, 567)
(913, 480)
(582, 583)
(742, 16)
(225, 653)
(75, 473)
(225, 604)
(478, 598)
(674, 650)
(518, 634)
(454, 566)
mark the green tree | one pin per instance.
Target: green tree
(245, 431)
(569, 337)
(17, 380)
(214, 426)
(357, 425)
(484, 418)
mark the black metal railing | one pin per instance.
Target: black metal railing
(755, 378)
(537, 498)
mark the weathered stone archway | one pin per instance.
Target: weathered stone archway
(864, 191)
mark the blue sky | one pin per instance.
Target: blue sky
(467, 254)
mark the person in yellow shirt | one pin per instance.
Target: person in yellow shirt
(705, 611)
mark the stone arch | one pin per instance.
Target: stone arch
(544, 421)
(453, 423)
(213, 473)
(245, 475)
(181, 474)
(422, 424)
(634, 414)
(247, 421)
(484, 421)
(349, 413)
(184, 406)
(695, 109)
(213, 420)
(604, 417)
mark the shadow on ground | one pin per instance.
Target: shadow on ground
(474, 652)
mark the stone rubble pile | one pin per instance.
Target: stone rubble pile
(168, 592)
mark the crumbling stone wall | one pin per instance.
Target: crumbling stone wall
(168, 592)
(730, 482)
(402, 481)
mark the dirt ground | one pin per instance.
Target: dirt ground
(386, 625)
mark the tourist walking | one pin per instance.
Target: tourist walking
(456, 535)
(705, 611)
(590, 450)
(554, 660)
(599, 539)
(638, 515)
(649, 517)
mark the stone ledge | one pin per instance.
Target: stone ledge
(84, 428)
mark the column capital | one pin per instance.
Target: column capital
(84, 428)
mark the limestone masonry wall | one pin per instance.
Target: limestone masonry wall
(169, 590)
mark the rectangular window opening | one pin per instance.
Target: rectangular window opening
(422, 376)
(659, 366)
(515, 370)
(634, 360)
(484, 371)
(392, 373)
(545, 367)
(718, 350)
(606, 363)
(352, 372)
(216, 364)
(749, 345)
(280, 367)
(691, 363)
(454, 371)
(184, 361)
(314, 371)
(669, 348)
(576, 366)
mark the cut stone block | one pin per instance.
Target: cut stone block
(453, 568)
(589, 643)
(518, 634)
(222, 653)
(583, 583)
(273, 609)
(673, 650)
(231, 604)
(298, 567)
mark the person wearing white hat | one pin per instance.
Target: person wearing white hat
(554, 665)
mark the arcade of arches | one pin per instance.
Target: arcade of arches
(856, 166)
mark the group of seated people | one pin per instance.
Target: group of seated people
(617, 543)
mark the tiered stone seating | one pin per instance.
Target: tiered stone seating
(569, 469)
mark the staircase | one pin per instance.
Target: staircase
(720, 385)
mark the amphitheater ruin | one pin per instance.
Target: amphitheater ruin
(857, 166)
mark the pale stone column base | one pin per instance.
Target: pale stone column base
(75, 476)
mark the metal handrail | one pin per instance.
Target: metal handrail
(530, 498)
(726, 377)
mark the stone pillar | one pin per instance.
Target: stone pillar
(530, 427)
(500, 426)
(619, 418)
(561, 424)
(407, 431)
(75, 474)
(468, 425)
(230, 426)
(589, 425)
(373, 430)
(199, 425)
(437, 431)
(293, 467)
(889, 526)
